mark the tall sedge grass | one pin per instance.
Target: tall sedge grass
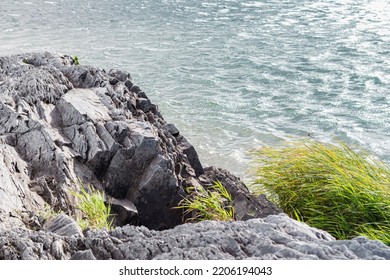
(95, 212)
(213, 203)
(331, 187)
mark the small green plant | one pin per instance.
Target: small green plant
(95, 212)
(331, 187)
(26, 61)
(48, 212)
(213, 203)
(76, 60)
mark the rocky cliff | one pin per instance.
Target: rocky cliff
(61, 122)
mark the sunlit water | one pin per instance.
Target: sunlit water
(232, 75)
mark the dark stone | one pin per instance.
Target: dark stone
(144, 104)
(191, 154)
(120, 75)
(83, 76)
(124, 212)
(114, 81)
(171, 128)
(131, 105)
(129, 84)
(142, 94)
(135, 89)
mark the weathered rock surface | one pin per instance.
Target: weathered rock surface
(60, 122)
(63, 225)
(273, 237)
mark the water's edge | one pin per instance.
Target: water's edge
(232, 75)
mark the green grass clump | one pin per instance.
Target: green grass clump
(213, 203)
(95, 212)
(330, 187)
(48, 212)
(76, 60)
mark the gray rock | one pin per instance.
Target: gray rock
(15, 195)
(125, 211)
(63, 225)
(83, 255)
(171, 128)
(191, 154)
(273, 237)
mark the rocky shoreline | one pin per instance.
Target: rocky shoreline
(60, 122)
(271, 238)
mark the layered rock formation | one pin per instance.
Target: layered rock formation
(61, 122)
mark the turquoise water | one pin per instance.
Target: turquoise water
(232, 75)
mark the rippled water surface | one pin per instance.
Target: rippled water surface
(232, 75)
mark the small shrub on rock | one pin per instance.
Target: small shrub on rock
(91, 202)
(76, 60)
(213, 203)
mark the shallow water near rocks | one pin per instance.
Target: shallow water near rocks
(232, 75)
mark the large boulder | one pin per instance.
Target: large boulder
(61, 122)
